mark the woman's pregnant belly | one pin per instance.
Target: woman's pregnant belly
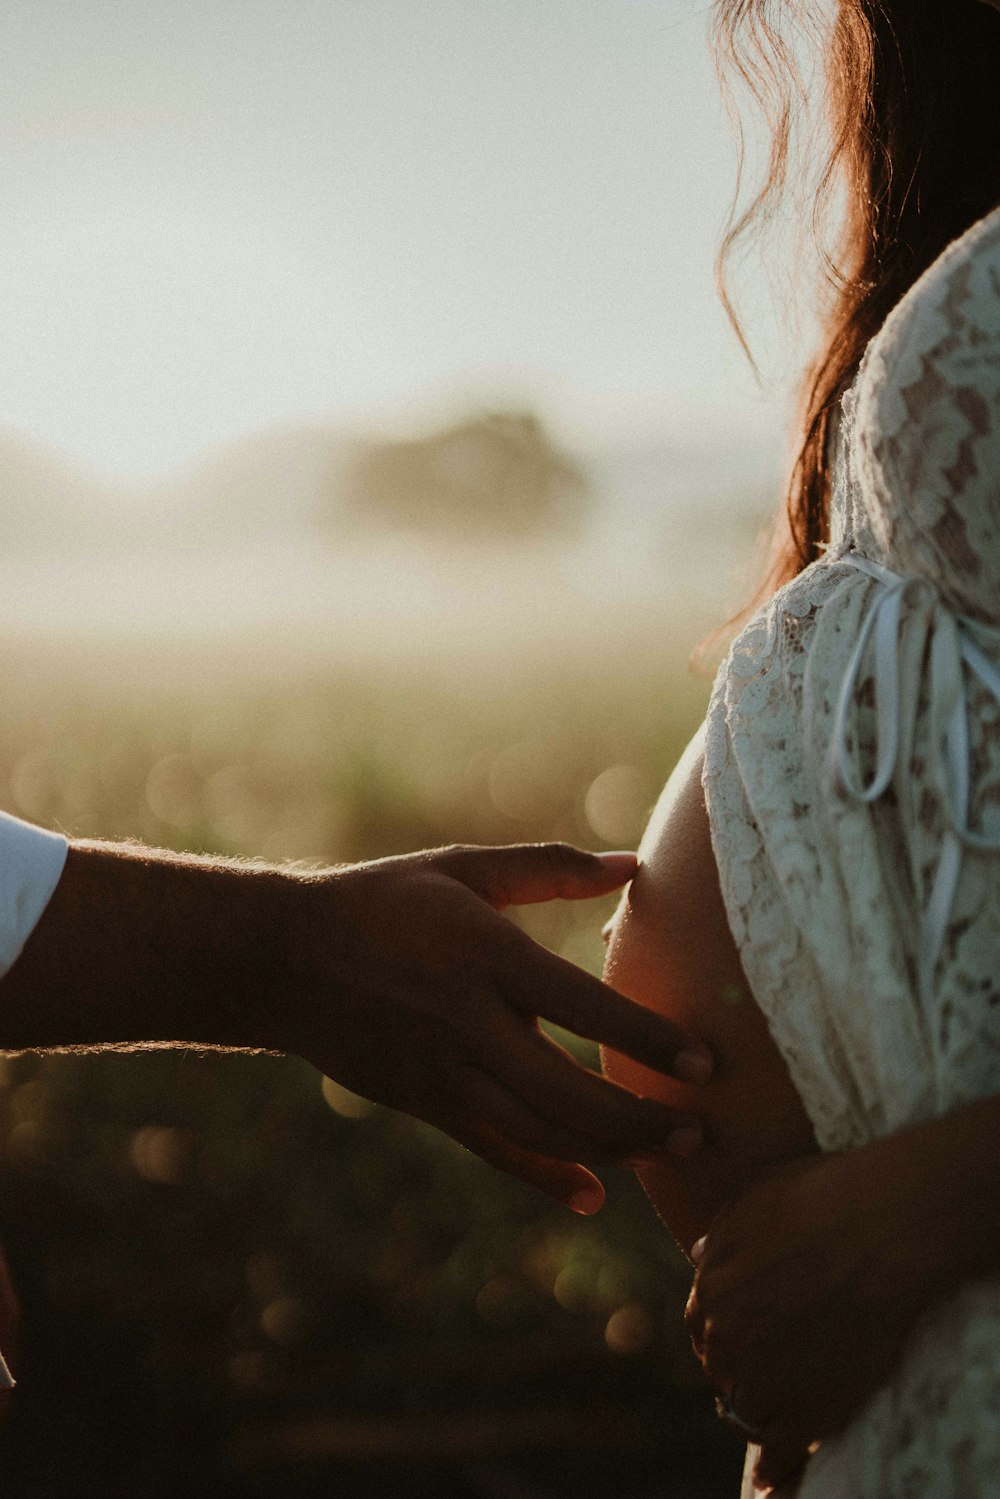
(671, 950)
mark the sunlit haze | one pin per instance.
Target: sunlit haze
(223, 217)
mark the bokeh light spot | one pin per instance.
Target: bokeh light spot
(573, 1288)
(162, 1154)
(617, 804)
(629, 1329)
(283, 1320)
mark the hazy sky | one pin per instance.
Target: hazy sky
(217, 215)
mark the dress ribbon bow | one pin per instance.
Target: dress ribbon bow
(954, 654)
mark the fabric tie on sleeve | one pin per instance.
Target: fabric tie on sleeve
(946, 643)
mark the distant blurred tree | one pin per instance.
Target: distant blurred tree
(497, 474)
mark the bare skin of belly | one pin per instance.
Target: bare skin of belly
(671, 949)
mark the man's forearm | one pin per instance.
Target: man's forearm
(398, 978)
(141, 945)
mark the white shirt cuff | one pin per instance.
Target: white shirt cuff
(31, 861)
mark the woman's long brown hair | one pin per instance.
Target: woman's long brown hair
(913, 120)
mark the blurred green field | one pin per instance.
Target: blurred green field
(236, 1279)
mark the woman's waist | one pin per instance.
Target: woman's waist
(672, 950)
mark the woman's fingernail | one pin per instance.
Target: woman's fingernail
(686, 1140)
(697, 1250)
(587, 1202)
(693, 1066)
(621, 865)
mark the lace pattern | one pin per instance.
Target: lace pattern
(827, 894)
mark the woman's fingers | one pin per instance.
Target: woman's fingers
(584, 1006)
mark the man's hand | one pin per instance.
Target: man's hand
(399, 979)
(416, 993)
(809, 1282)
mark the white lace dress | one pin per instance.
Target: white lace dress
(852, 775)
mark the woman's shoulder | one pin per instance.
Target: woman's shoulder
(924, 445)
(960, 288)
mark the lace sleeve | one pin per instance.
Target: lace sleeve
(928, 428)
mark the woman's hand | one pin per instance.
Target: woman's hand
(809, 1282)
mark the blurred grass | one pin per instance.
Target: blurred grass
(237, 1279)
